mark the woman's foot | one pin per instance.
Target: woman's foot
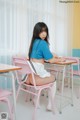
(49, 108)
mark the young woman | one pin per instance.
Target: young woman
(39, 52)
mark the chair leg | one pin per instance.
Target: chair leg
(10, 107)
(31, 95)
(58, 81)
(16, 97)
(27, 95)
(18, 92)
(34, 100)
(37, 101)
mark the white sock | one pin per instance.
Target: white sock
(34, 102)
(51, 93)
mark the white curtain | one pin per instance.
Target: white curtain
(17, 19)
(64, 27)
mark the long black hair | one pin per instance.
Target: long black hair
(38, 28)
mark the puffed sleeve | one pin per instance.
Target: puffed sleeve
(46, 51)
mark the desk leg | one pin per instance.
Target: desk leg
(72, 84)
(14, 94)
(61, 99)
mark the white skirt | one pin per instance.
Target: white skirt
(40, 70)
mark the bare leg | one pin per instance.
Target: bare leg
(43, 81)
(28, 79)
(51, 92)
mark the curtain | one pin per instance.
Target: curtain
(64, 28)
(17, 20)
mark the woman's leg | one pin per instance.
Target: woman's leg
(51, 92)
(51, 96)
(43, 81)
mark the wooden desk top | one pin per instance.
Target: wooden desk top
(67, 62)
(7, 68)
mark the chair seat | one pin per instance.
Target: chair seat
(4, 93)
(40, 86)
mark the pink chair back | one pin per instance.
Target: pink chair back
(26, 68)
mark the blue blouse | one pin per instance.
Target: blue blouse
(41, 50)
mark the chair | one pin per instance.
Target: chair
(4, 98)
(76, 72)
(28, 69)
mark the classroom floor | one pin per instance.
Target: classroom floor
(25, 109)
